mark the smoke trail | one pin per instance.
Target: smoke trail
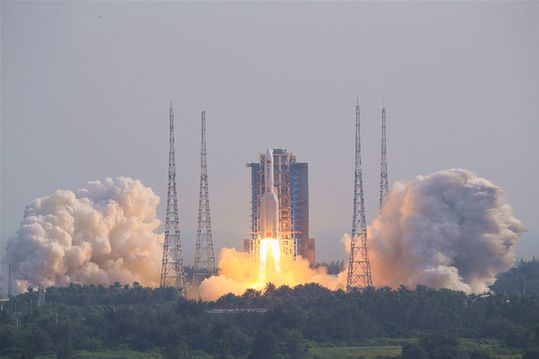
(101, 234)
(451, 229)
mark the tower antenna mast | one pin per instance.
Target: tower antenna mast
(204, 254)
(383, 165)
(172, 271)
(359, 271)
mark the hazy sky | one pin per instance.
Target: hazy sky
(85, 89)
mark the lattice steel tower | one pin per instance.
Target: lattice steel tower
(359, 271)
(204, 255)
(172, 271)
(383, 166)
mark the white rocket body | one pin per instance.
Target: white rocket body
(269, 203)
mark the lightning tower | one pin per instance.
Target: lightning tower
(359, 271)
(204, 255)
(172, 271)
(383, 166)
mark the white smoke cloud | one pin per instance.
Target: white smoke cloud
(100, 234)
(451, 229)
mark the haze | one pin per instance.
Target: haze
(85, 90)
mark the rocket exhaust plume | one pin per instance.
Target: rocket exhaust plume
(451, 229)
(269, 263)
(239, 271)
(100, 234)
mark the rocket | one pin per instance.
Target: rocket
(269, 203)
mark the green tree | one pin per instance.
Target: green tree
(531, 354)
(264, 346)
(38, 341)
(449, 352)
(295, 345)
(431, 342)
(176, 350)
(65, 352)
(413, 351)
(476, 354)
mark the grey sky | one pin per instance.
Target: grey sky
(86, 86)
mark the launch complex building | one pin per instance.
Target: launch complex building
(291, 187)
(279, 214)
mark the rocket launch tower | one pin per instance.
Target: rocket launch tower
(279, 175)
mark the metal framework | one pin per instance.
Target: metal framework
(282, 160)
(383, 163)
(172, 270)
(359, 271)
(204, 255)
(293, 204)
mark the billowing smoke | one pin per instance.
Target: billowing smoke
(239, 271)
(100, 234)
(451, 229)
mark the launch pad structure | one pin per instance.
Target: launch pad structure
(291, 187)
(172, 270)
(279, 212)
(359, 268)
(204, 255)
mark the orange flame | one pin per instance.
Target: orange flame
(239, 271)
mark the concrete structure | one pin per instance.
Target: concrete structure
(292, 189)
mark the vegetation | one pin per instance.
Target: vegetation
(354, 352)
(307, 321)
(520, 280)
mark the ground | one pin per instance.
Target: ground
(371, 350)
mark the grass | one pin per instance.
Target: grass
(109, 354)
(393, 347)
(122, 354)
(491, 346)
(368, 352)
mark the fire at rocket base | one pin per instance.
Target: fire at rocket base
(269, 245)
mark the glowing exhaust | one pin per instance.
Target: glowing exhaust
(270, 256)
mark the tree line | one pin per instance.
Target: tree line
(273, 323)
